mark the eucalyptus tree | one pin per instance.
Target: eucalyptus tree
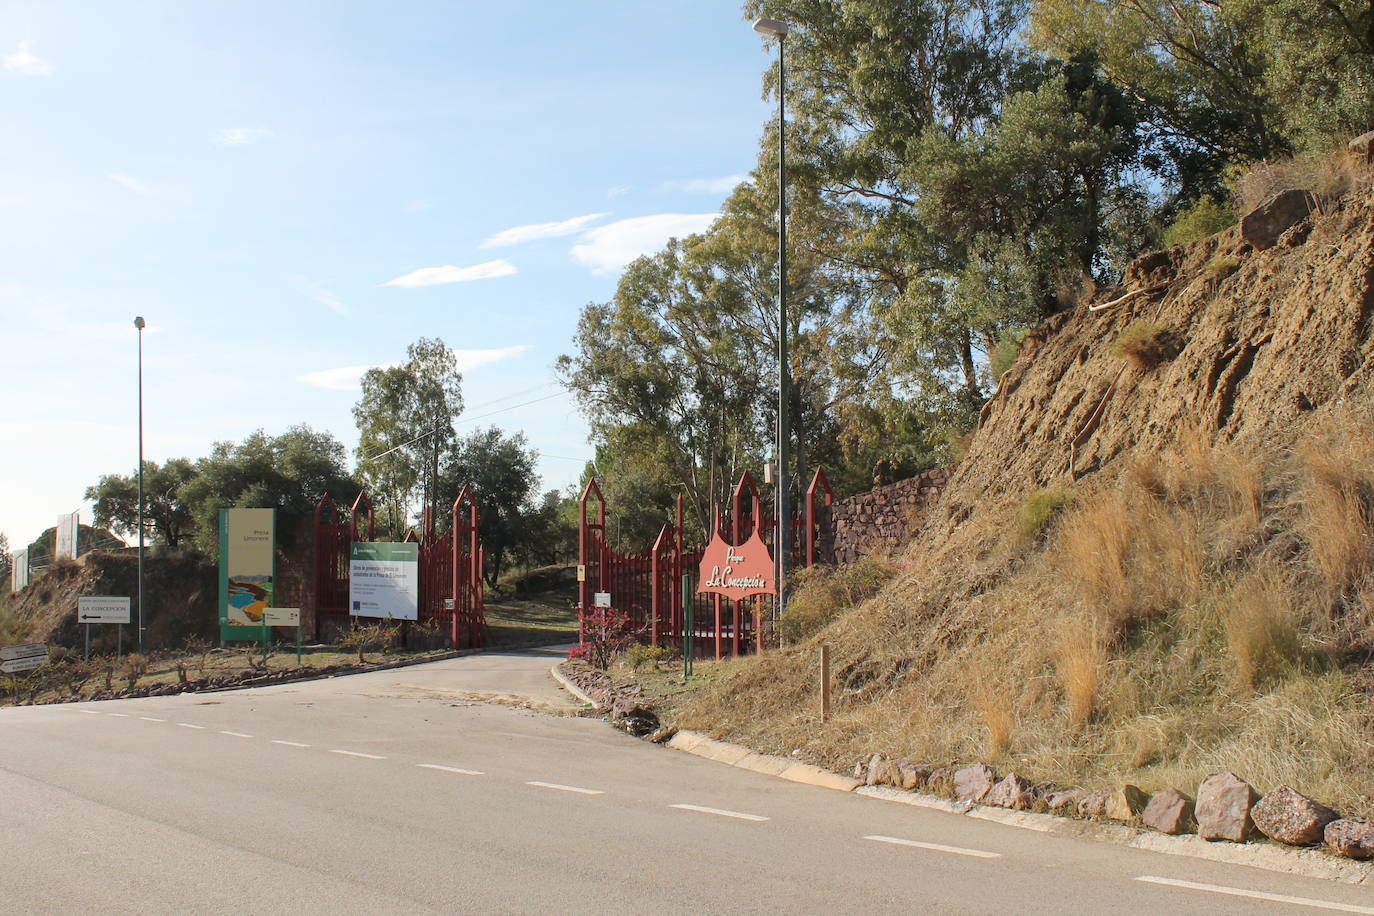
(405, 417)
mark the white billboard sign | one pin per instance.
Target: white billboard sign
(67, 528)
(19, 569)
(281, 616)
(102, 609)
(14, 666)
(384, 580)
(24, 650)
(601, 599)
(23, 657)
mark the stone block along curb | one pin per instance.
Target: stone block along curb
(1306, 863)
(1303, 862)
(572, 688)
(767, 764)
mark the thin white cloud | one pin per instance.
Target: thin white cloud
(433, 276)
(476, 359)
(415, 206)
(344, 378)
(606, 249)
(26, 62)
(704, 185)
(241, 136)
(129, 182)
(349, 378)
(321, 295)
(518, 235)
(619, 190)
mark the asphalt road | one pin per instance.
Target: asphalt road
(398, 792)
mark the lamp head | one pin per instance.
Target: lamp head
(772, 28)
(140, 323)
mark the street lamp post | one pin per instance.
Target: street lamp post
(140, 324)
(775, 29)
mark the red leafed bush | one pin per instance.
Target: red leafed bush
(606, 633)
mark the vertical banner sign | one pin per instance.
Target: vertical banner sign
(247, 560)
(67, 527)
(19, 569)
(384, 580)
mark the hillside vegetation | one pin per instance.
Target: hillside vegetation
(1156, 560)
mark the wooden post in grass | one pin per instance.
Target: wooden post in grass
(825, 683)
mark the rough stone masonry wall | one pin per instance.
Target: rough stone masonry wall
(880, 521)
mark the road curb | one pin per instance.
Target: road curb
(572, 688)
(691, 742)
(1307, 863)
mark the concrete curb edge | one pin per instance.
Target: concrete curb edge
(1308, 863)
(572, 688)
(736, 756)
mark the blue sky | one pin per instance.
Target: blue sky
(290, 192)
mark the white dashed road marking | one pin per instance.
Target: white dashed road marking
(151, 719)
(235, 734)
(357, 754)
(1257, 895)
(118, 715)
(936, 847)
(554, 785)
(290, 743)
(722, 812)
(459, 770)
(189, 725)
(90, 712)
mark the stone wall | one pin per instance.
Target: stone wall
(880, 521)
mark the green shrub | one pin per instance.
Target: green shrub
(1144, 343)
(1222, 266)
(1203, 218)
(1004, 352)
(819, 594)
(1040, 508)
(637, 656)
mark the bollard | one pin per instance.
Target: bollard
(825, 683)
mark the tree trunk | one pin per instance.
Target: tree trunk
(970, 370)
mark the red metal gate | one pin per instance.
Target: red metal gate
(647, 587)
(452, 591)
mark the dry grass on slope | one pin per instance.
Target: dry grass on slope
(1209, 609)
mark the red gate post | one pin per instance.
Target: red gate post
(821, 481)
(457, 574)
(716, 603)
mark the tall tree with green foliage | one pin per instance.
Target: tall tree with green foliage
(288, 472)
(1197, 69)
(6, 564)
(405, 413)
(1320, 71)
(500, 468)
(166, 514)
(677, 374)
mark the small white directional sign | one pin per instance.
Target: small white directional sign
(281, 616)
(102, 609)
(14, 659)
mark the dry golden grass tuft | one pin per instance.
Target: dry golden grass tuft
(1329, 174)
(1337, 517)
(1262, 629)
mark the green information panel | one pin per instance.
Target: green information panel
(247, 571)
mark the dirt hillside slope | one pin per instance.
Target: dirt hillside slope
(1266, 341)
(1156, 560)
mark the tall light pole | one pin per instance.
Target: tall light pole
(775, 29)
(140, 324)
